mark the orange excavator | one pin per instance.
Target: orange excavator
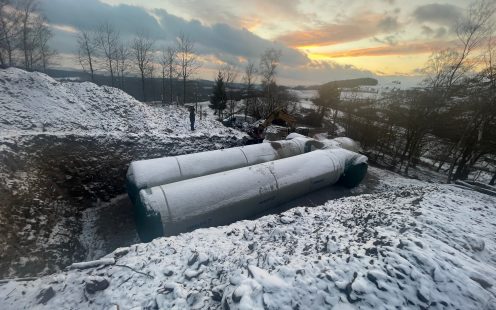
(277, 117)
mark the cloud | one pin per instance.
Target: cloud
(438, 33)
(321, 71)
(222, 39)
(237, 13)
(87, 14)
(388, 24)
(441, 14)
(390, 40)
(364, 25)
(219, 39)
(403, 49)
(220, 35)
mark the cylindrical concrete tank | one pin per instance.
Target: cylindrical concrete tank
(222, 198)
(159, 171)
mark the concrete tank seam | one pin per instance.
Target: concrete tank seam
(179, 166)
(166, 202)
(275, 178)
(247, 162)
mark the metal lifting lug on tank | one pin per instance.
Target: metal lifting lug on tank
(177, 194)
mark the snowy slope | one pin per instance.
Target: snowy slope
(410, 245)
(35, 102)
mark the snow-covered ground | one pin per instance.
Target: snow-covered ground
(409, 244)
(390, 243)
(306, 98)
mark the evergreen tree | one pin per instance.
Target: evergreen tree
(329, 96)
(219, 97)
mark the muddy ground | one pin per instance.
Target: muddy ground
(49, 182)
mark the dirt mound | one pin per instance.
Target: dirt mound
(33, 101)
(64, 148)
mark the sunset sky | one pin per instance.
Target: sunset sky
(320, 40)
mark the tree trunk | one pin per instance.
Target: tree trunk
(163, 86)
(184, 90)
(170, 84)
(91, 70)
(143, 86)
(25, 46)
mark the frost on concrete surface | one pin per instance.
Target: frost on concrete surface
(409, 245)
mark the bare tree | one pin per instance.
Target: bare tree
(122, 63)
(249, 79)
(107, 41)
(141, 48)
(268, 65)
(472, 31)
(27, 9)
(188, 60)
(230, 74)
(42, 35)
(9, 31)
(169, 63)
(87, 52)
(269, 62)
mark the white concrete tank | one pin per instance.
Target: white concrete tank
(159, 171)
(225, 197)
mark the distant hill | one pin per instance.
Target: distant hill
(198, 90)
(343, 84)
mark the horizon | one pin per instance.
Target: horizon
(320, 41)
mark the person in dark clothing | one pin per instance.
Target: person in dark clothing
(192, 117)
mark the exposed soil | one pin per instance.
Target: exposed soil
(47, 181)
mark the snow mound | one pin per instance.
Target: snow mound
(32, 101)
(411, 245)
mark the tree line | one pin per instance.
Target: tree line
(104, 49)
(24, 36)
(260, 93)
(450, 121)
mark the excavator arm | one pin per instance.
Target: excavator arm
(258, 132)
(280, 115)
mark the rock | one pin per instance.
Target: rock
(95, 284)
(286, 220)
(421, 297)
(120, 252)
(193, 300)
(150, 305)
(193, 258)
(45, 295)
(477, 245)
(190, 274)
(203, 259)
(237, 295)
(483, 282)
(168, 272)
(217, 293)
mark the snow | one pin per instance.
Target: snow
(94, 263)
(409, 244)
(306, 98)
(33, 102)
(402, 244)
